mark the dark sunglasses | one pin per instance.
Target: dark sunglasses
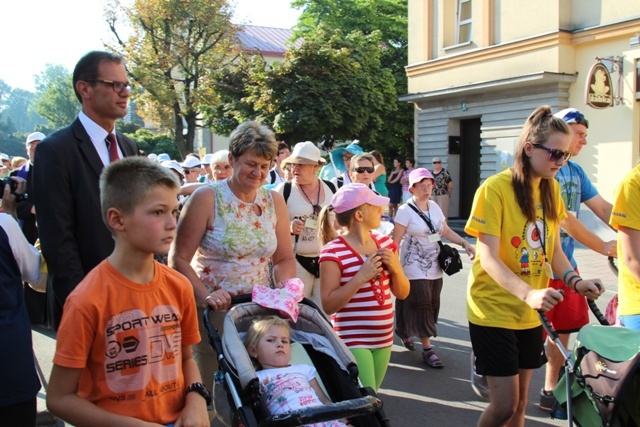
(363, 169)
(187, 171)
(436, 163)
(555, 154)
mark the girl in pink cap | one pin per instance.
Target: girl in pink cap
(358, 272)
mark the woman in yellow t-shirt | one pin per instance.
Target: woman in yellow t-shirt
(518, 243)
(625, 218)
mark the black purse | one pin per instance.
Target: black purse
(448, 257)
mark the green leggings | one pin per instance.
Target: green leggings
(372, 365)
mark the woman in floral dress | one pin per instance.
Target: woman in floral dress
(229, 230)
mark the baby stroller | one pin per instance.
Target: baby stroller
(236, 391)
(600, 385)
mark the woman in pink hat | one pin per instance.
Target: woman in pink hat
(418, 314)
(359, 270)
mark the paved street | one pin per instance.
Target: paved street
(414, 394)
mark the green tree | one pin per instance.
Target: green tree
(19, 110)
(332, 84)
(55, 98)
(390, 18)
(174, 48)
(150, 142)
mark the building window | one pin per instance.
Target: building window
(463, 22)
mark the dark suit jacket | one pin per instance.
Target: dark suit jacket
(73, 237)
(23, 209)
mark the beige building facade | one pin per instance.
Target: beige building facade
(478, 68)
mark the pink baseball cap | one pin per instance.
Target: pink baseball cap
(354, 195)
(418, 175)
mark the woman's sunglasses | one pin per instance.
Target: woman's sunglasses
(363, 169)
(555, 154)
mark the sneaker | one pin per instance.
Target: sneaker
(478, 382)
(546, 400)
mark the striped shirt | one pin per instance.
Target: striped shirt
(366, 321)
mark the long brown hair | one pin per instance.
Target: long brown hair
(540, 124)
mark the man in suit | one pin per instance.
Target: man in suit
(73, 236)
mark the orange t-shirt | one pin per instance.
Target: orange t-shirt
(127, 338)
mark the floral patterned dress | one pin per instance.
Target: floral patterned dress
(234, 255)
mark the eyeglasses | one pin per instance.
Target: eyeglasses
(117, 87)
(363, 169)
(555, 154)
(436, 163)
(347, 158)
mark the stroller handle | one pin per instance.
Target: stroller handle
(332, 411)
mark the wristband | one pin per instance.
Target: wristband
(566, 273)
(573, 281)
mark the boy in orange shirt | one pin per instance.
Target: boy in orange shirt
(123, 354)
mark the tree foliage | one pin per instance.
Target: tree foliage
(150, 142)
(55, 98)
(332, 84)
(173, 51)
(390, 18)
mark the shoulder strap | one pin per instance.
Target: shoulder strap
(425, 218)
(330, 185)
(340, 181)
(286, 191)
(272, 174)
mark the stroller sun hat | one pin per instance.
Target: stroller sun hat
(305, 153)
(284, 299)
(352, 196)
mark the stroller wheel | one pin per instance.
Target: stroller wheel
(245, 418)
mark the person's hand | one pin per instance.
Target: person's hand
(219, 300)
(469, 249)
(194, 413)
(591, 289)
(296, 226)
(8, 198)
(543, 299)
(389, 259)
(610, 249)
(370, 268)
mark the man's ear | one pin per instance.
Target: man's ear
(84, 89)
(115, 219)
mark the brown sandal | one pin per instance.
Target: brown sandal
(431, 359)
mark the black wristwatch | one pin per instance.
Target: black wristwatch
(201, 390)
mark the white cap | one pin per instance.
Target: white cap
(35, 136)
(191, 162)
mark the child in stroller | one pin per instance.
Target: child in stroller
(283, 386)
(237, 395)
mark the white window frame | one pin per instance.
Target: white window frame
(461, 23)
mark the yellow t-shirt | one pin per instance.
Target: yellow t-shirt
(626, 212)
(495, 211)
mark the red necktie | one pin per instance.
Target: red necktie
(112, 145)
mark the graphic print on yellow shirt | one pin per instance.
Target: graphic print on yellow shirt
(495, 212)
